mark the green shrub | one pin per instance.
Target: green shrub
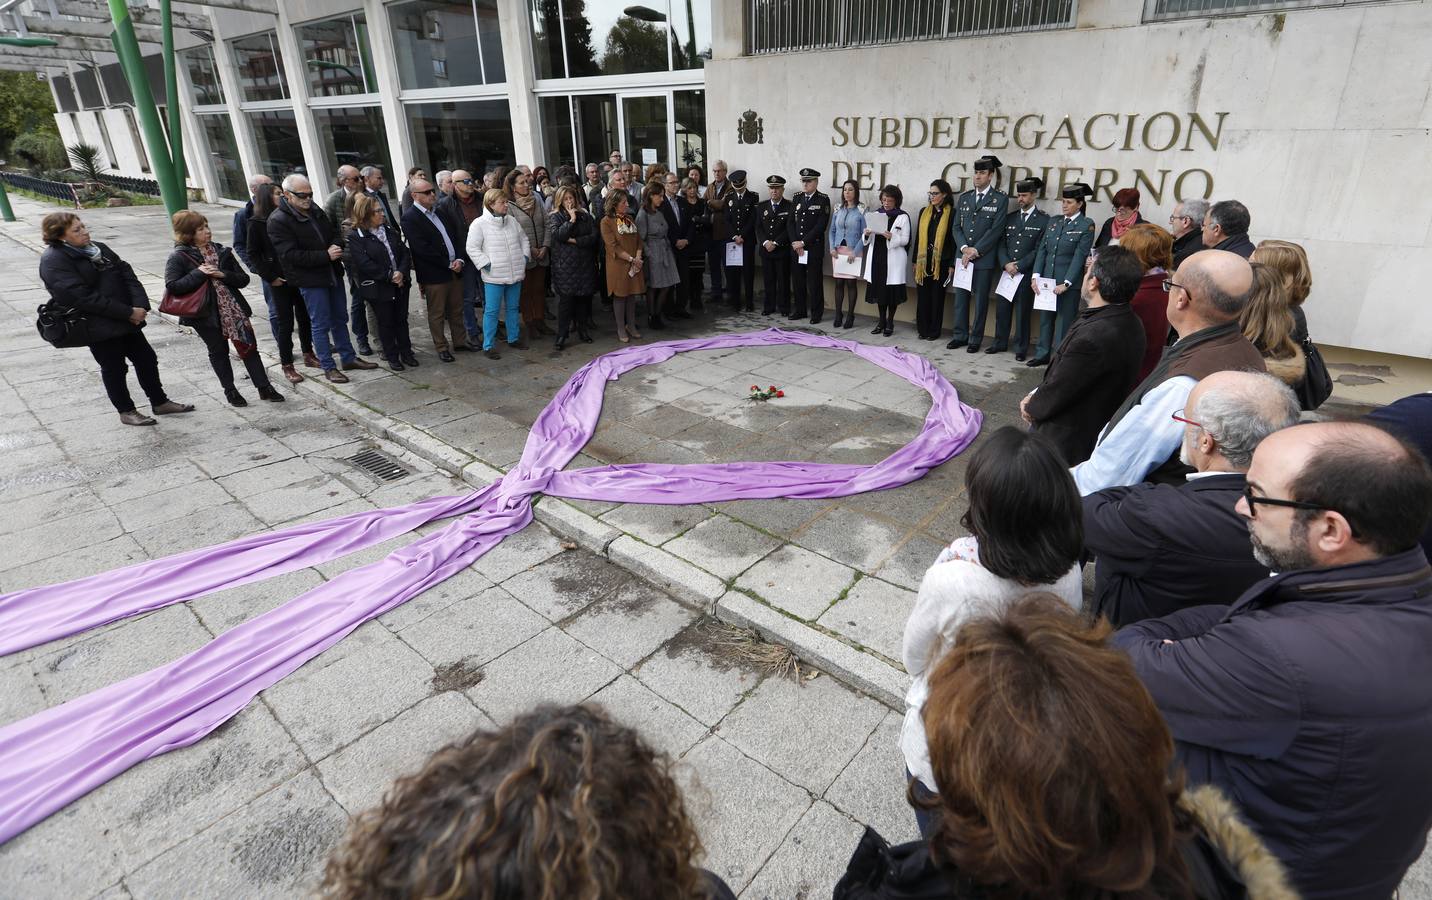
(39, 151)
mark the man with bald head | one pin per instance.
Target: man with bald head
(1160, 547)
(459, 210)
(1142, 438)
(1307, 701)
(349, 181)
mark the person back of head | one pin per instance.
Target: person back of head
(1235, 412)
(1291, 262)
(650, 193)
(1151, 244)
(561, 803)
(1117, 272)
(1023, 508)
(265, 201)
(1267, 319)
(1230, 216)
(1052, 761)
(1349, 492)
(1215, 285)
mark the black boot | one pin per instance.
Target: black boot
(583, 333)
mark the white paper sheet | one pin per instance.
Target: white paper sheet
(964, 275)
(877, 222)
(734, 254)
(846, 266)
(1044, 296)
(1008, 284)
(801, 257)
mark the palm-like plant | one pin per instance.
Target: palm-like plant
(85, 158)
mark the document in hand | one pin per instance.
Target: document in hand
(877, 222)
(734, 255)
(964, 275)
(845, 265)
(1044, 296)
(802, 257)
(1008, 284)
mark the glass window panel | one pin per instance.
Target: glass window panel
(87, 84)
(224, 156)
(104, 139)
(276, 134)
(336, 56)
(611, 37)
(546, 18)
(436, 43)
(597, 134)
(689, 108)
(204, 75)
(154, 70)
(645, 121)
(556, 115)
(474, 135)
(261, 75)
(354, 136)
(490, 37)
(692, 24)
(65, 93)
(115, 87)
(138, 141)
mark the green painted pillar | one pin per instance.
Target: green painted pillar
(6, 212)
(126, 46)
(171, 90)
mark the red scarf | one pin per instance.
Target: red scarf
(1120, 228)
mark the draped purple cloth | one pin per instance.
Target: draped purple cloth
(58, 755)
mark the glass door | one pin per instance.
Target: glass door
(646, 128)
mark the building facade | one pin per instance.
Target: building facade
(1317, 114)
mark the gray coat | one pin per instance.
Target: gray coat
(661, 270)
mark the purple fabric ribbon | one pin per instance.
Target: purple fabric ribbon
(56, 756)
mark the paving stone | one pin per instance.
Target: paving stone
(873, 614)
(312, 495)
(72, 532)
(853, 538)
(457, 588)
(614, 441)
(695, 587)
(699, 676)
(666, 453)
(225, 459)
(50, 506)
(797, 581)
(22, 696)
(742, 810)
(472, 632)
(327, 704)
(823, 725)
(723, 546)
(135, 646)
(655, 523)
(80, 562)
(630, 624)
(811, 859)
(716, 441)
(780, 517)
(220, 611)
(358, 775)
(566, 583)
(275, 846)
(663, 421)
(205, 528)
(908, 565)
(663, 725)
(518, 552)
(872, 787)
(666, 388)
(68, 855)
(550, 668)
(439, 413)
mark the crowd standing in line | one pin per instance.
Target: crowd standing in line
(1255, 727)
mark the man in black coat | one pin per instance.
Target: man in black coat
(307, 247)
(1186, 225)
(1161, 548)
(1306, 701)
(1097, 365)
(741, 211)
(1225, 227)
(438, 261)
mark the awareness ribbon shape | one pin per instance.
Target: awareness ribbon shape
(56, 756)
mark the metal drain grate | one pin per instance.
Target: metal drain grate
(379, 464)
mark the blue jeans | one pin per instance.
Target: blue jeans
(272, 311)
(924, 818)
(328, 311)
(471, 290)
(501, 297)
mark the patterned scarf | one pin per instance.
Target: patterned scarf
(231, 316)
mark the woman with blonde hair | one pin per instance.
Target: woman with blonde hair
(497, 245)
(1154, 248)
(572, 239)
(1290, 261)
(529, 213)
(1267, 322)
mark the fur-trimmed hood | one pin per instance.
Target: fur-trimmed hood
(1290, 371)
(1259, 869)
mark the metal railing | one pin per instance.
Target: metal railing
(55, 190)
(1163, 10)
(781, 26)
(147, 187)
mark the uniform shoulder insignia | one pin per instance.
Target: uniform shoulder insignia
(1091, 226)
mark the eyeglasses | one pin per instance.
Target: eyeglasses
(1187, 218)
(302, 195)
(465, 181)
(1270, 501)
(1169, 284)
(428, 191)
(1178, 417)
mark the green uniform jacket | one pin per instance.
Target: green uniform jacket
(1065, 246)
(1021, 240)
(981, 225)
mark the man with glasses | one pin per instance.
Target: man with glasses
(1225, 227)
(717, 192)
(1142, 440)
(438, 261)
(1186, 226)
(458, 212)
(592, 189)
(1306, 701)
(374, 185)
(306, 244)
(349, 182)
(1162, 548)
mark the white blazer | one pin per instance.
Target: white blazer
(897, 258)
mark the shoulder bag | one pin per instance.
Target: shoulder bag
(1317, 383)
(185, 305)
(62, 327)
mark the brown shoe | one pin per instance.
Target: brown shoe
(135, 417)
(335, 376)
(292, 375)
(359, 363)
(169, 408)
(520, 344)
(310, 359)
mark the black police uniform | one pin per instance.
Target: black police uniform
(773, 225)
(809, 219)
(741, 206)
(979, 223)
(1022, 234)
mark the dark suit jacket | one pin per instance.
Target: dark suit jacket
(383, 199)
(1162, 547)
(1185, 246)
(1089, 376)
(1237, 243)
(430, 256)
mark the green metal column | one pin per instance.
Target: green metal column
(171, 89)
(126, 45)
(6, 212)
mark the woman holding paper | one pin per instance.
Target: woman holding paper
(1060, 258)
(934, 259)
(885, 263)
(847, 225)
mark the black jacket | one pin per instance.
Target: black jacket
(182, 276)
(574, 266)
(301, 243)
(1187, 245)
(1106, 233)
(1237, 243)
(370, 262)
(449, 209)
(1410, 419)
(1089, 376)
(1307, 702)
(430, 256)
(1162, 548)
(107, 291)
(263, 259)
(695, 226)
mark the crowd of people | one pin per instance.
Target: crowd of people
(1238, 706)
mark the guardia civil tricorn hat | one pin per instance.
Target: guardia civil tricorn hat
(1077, 191)
(987, 164)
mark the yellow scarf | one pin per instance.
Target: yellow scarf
(925, 266)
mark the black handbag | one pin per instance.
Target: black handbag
(375, 290)
(1317, 383)
(62, 327)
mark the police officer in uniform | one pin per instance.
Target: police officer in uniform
(809, 219)
(741, 224)
(773, 230)
(979, 226)
(1063, 250)
(1022, 232)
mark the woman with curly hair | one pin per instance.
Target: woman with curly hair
(561, 804)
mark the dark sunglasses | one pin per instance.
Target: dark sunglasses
(1253, 502)
(302, 195)
(465, 181)
(428, 191)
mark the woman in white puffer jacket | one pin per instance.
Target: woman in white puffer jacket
(498, 246)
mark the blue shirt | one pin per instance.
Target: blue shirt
(1145, 437)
